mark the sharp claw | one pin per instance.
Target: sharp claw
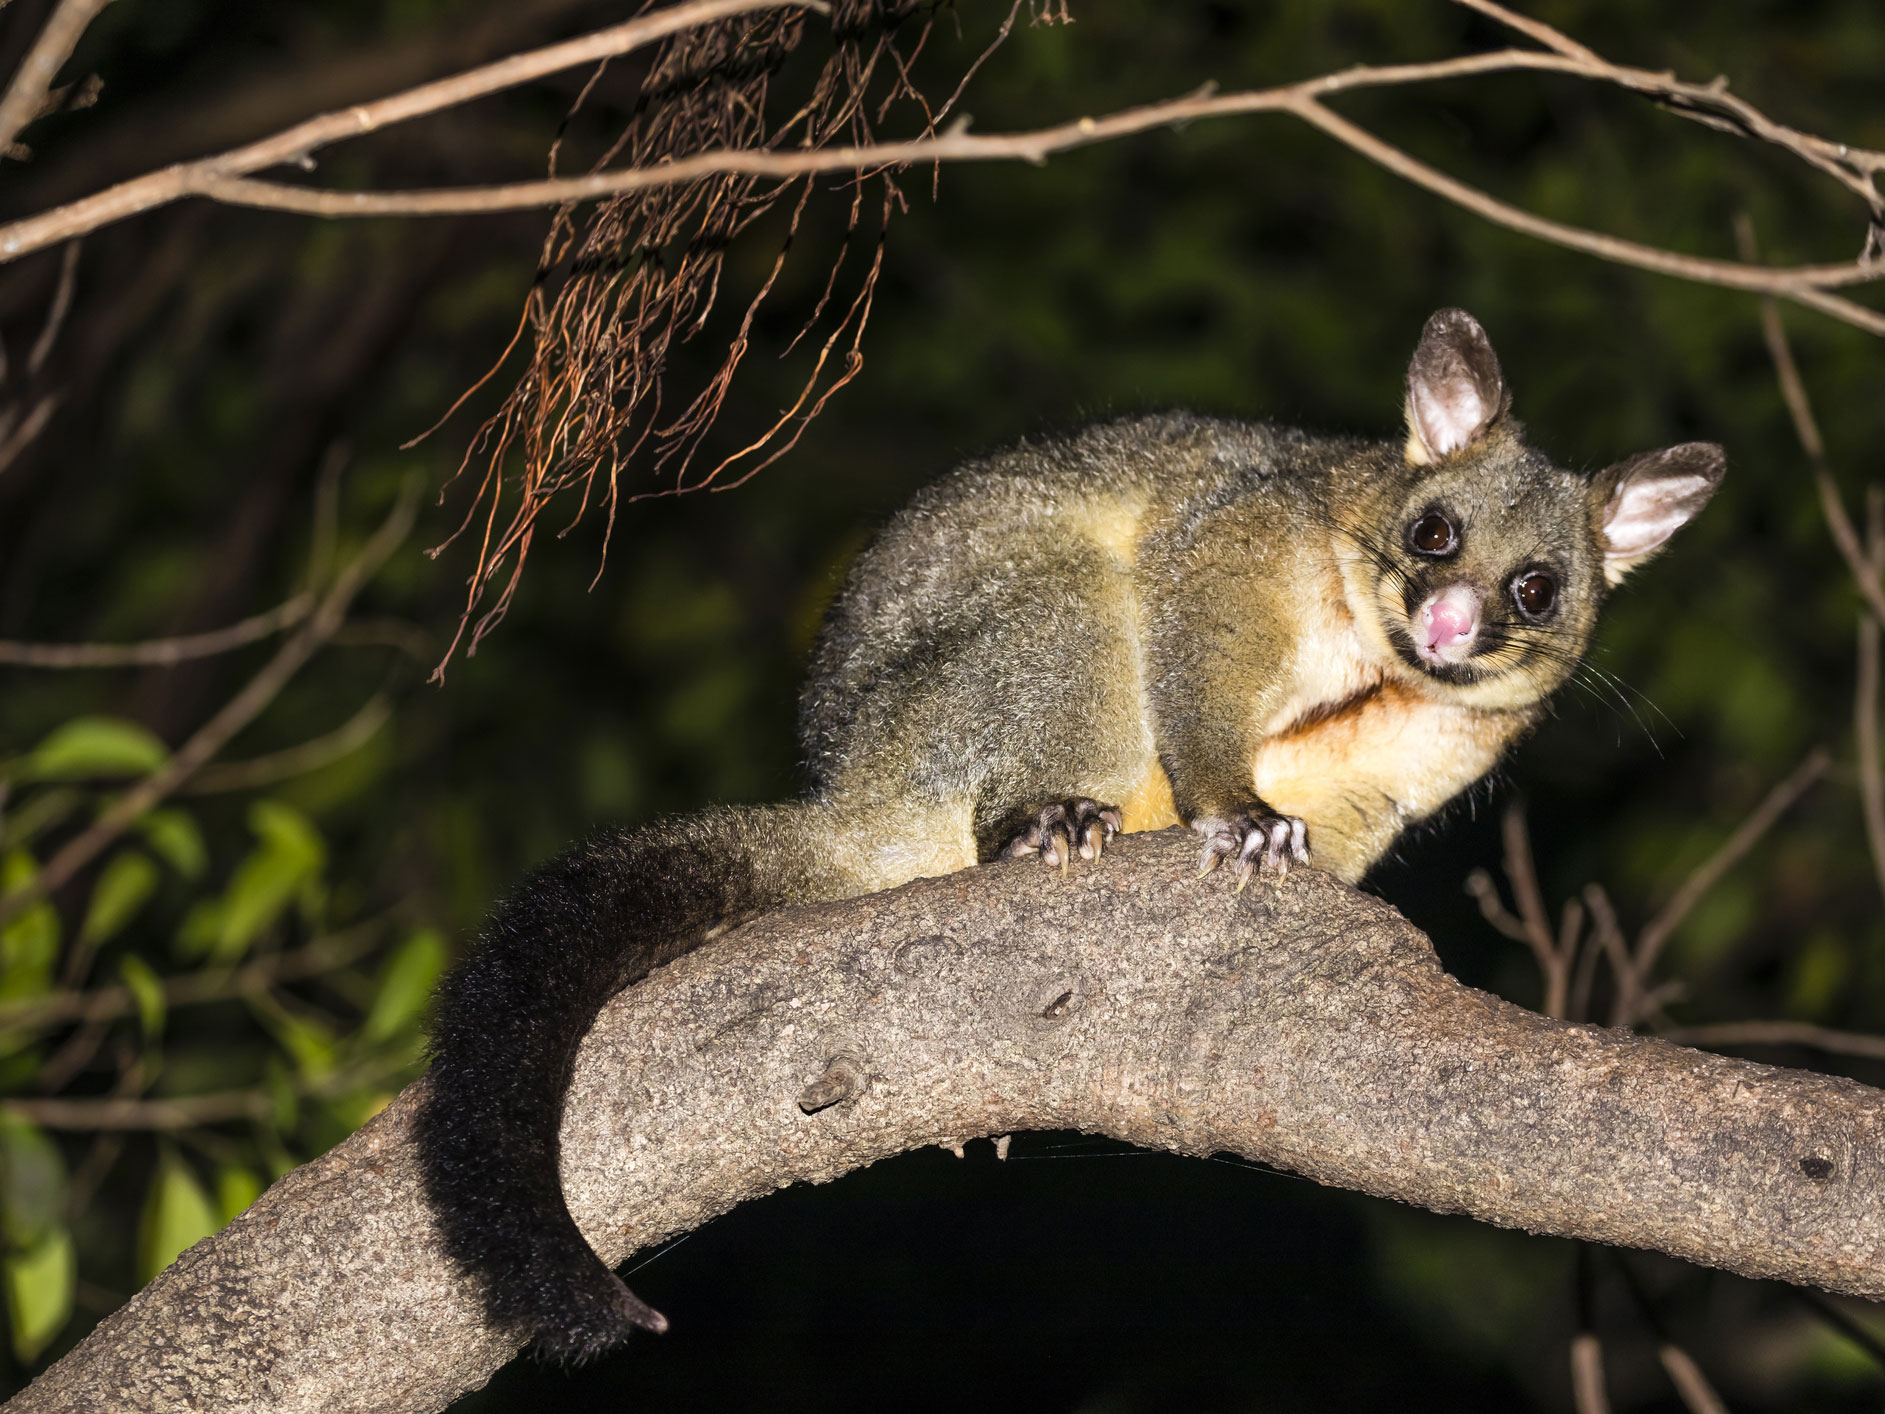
(1243, 877)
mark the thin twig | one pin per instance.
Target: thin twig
(1522, 874)
(186, 1112)
(1865, 562)
(1780, 1033)
(55, 312)
(1806, 428)
(1866, 693)
(25, 97)
(114, 1114)
(212, 984)
(1479, 884)
(1587, 1374)
(22, 436)
(1655, 934)
(1692, 1386)
(236, 714)
(1625, 1007)
(1712, 105)
(321, 751)
(1865, 707)
(160, 652)
(1589, 953)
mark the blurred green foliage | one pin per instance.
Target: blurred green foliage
(216, 361)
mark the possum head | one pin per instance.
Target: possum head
(1473, 563)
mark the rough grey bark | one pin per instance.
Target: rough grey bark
(1302, 1024)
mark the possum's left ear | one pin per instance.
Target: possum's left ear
(1455, 390)
(1650, 497)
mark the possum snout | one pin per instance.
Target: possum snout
(1445, 626)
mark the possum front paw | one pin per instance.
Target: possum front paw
(1255, 837)
(1060, 830)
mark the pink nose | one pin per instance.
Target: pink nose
(1449, 618)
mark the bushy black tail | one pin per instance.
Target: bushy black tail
(509, 1020)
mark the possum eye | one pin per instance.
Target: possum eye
(1536, 593)
(1433, 534)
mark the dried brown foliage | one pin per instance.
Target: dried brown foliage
(615, 295)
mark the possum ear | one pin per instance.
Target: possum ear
(1650, 497)
(1455, 390)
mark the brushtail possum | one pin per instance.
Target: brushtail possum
(1296, 645)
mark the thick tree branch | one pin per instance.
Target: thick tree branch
(1303, 1024)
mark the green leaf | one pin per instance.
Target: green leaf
(178, 842)
(32, 1182)
(356, 1107)
(288, 857)
(94, 746)
(309, 1044)
(30, 939)
(39, 1283)
(147, 988)
(236, 1188)
(284, 1103)
(406, 985)
(177, 1213)
(123, 887)
(200, 929)
(287, 830)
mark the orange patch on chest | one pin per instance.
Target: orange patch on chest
(1148, 805)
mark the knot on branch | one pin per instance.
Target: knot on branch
(842, 1082)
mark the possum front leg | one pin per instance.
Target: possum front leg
(1214, 681)
(1212, 787)
(1055, 831)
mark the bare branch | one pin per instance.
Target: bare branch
(294, 144)
(56, 312)
(1523, 876)
(226, 177)
(1805, 284)
(1302, 1025)
(1479, 884)
(1865, 708)
(1807, 428)
(160, 652)
(21, 437)
(332, 953)
(1531, 925)
(1588, 1394)
(236, 714)
(25, 97)
(1714, 106)
(1780, 1033)
(1656, 933)
(343, 741)
(116, 1114)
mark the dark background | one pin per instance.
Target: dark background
(215, 359)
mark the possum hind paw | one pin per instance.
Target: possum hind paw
(1064, 828)
(1256, 838)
